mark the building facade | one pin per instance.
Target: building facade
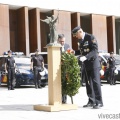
(22, 30)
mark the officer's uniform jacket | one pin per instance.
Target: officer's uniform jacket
(37, 60)
(89, 48)
(111, 62)
(10, 62)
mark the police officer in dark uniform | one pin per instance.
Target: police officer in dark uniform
(111, 67)
(10, 69)
(88, 49)
(37, 65)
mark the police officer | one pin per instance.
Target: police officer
(37, 65)
(111, 66)
(88, 48)
(10, 69)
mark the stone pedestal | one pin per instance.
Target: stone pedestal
(54, 83)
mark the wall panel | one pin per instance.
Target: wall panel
(99, 30)
(4, 28)
(44, 32)
(64, 24)
(13, 29)
(75, 21)
(34, 29)
(23, 30)
(111, 34)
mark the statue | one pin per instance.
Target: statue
(53, 31)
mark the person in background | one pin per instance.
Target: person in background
(88, 49)
(10, 69)
(37, 65)
(101, 64)
(111, 67)
(64, 47)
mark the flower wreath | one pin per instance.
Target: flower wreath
(70, 74)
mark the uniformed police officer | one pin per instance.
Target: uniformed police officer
(10, 69)
(37, 65)
(111, 66)
(88, 48)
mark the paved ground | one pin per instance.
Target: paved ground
(18, 105)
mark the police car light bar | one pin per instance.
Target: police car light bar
(14, 53)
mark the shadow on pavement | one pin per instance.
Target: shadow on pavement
(16, 107)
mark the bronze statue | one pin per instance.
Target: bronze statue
(53, 31)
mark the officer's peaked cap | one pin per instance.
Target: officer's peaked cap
(37, 50)
(74, 31)
(9, 51)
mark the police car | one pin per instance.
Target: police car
(104, 57)
(24, 76)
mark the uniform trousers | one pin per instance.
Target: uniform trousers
(11, 78)
(93, 86)
(37, 77)
(64, 98)
(82, 74)
(112, 76)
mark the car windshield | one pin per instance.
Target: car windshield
(23, 66)
(117, 59)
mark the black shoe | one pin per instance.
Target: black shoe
(12, 89)
(36, 86)
(64, 102)
(39, 86)
(9, 88)
(88, 105)
(97, 106)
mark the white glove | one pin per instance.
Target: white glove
(101, 72)
(116, 71)
(83, 58)
(6, 71)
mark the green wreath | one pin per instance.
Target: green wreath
(70, 74)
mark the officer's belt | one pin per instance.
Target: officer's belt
(10, 67)
(92, 59)
(37, 66)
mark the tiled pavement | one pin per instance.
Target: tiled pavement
(18, 105)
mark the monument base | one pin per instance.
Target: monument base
(53, 108)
